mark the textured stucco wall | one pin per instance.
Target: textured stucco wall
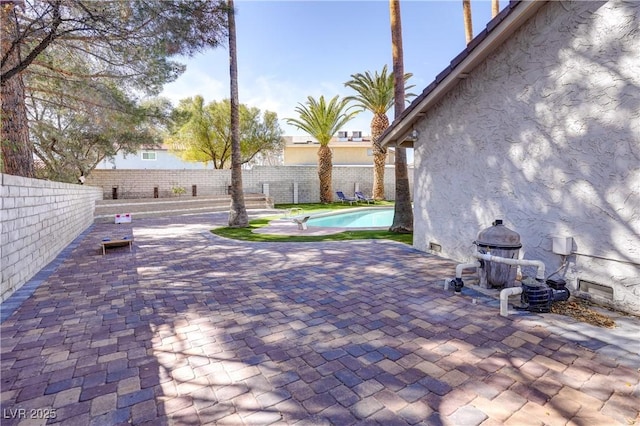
(38, 219)
(281, 180)
(544, 134)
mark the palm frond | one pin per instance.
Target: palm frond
(322, 120)
(375, 92)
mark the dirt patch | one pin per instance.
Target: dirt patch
(582, 311)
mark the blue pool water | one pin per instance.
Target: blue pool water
(357, 219)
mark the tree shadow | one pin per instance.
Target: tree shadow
(196, 329)
(544, 135)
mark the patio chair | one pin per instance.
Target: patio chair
(361, 197)
(344, 198)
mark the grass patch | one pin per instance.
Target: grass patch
(246, 234)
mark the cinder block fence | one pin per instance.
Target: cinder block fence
(38, 220)
(285, 184)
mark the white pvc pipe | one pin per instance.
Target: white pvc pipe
(522, 262)
(504, 299)
(461, 267)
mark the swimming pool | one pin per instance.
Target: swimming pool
(365, 218)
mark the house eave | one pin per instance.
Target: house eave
(513, 16)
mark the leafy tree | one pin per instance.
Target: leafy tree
(127, 41)
(203, 132)
(71, 142)
(403, 213)
(322, 120)
(375, 94)
(238, 213)
(76, 122)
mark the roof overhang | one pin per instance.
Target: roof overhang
(513, 16)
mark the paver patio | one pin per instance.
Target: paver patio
(191, 329)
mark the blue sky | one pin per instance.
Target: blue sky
(288, 50)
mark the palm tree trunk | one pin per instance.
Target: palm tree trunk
(325, 170)
(238, 213)
(403, 213)
(17, 150)
(468, 24)
(495, 8)
(379, 164)
(379, 124)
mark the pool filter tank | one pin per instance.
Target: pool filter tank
(498, 240)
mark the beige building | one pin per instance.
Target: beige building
(348, 150)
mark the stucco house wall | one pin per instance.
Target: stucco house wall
(544, 134)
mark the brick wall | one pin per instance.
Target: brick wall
(281, 180)
(38, 220)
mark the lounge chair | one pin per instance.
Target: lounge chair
(344, 198)
(361, 197)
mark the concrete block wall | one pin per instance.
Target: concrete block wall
(282, 182)
(38, 219)
(141, 183)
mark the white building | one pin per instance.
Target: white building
(537, 123)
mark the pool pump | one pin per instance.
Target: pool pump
(537, 296)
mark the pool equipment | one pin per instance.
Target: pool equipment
(497, 249)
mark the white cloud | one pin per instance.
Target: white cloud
(196, 82)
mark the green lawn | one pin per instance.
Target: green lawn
(246, 234)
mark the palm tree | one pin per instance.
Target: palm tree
(238, 213)
(468, 25)
(375, 94)
(322, 121)
(495, 8)
(403, 214)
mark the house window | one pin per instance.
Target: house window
(149, 155)
(357, 135)
(342, 134)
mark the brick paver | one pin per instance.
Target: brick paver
(192, 329)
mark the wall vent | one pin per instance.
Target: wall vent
(435, 247)
(595, 289)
